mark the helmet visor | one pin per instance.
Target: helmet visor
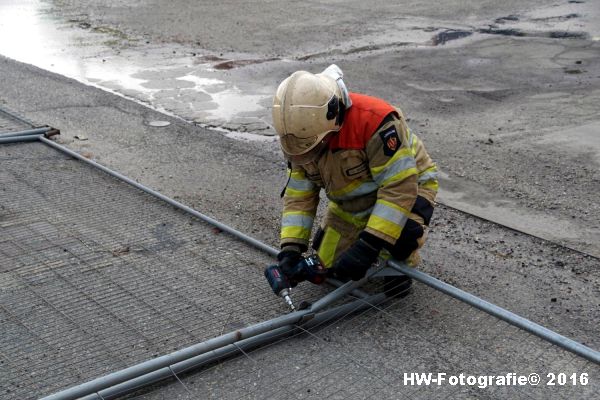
(313, 154)
(294, 145)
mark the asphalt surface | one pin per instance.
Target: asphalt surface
(512, 121)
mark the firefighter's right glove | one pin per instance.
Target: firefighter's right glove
(288, 258)
(354, 262)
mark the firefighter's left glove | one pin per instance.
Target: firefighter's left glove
(288, 258)
(354, 262)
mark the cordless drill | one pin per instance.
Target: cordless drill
(308, 269)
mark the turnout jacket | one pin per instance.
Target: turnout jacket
(375, 172)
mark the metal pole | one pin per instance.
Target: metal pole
(232, 349)
(19, 118)
(36, 131)
(499, 312)
(145, 367)
(356, 292)
(18, 139)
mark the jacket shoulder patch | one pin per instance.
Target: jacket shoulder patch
(391, 141)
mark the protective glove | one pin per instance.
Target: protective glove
(309, 269)
(288, 258)
(354, 262)
(408, 240)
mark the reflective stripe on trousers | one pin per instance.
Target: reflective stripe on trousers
(341, 231)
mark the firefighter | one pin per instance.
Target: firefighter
(378, 178)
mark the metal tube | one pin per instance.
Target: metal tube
(145, 367)
(13, 115)
(356, 292)
(259, 245)
(18, 139)
(36, 131)
(499, 312)
(229, 350)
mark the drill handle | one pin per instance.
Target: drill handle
(277, 280)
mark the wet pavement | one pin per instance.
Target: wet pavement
(105, 48)
(427, 332)
(175, 79)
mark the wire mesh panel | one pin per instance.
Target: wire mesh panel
(96, 276)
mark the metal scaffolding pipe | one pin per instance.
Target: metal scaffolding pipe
(18, 139)
(499, 312)
(36, 131)
(232, 349)
(146, 367)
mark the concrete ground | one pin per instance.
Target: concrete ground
(510, 115)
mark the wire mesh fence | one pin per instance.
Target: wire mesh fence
(96, 276)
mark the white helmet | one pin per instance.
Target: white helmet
(306, 108)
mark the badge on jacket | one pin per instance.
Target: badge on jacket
(391, 141)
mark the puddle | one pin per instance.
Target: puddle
(568, 35)
(573, 20)
(201, 87)
(176, 80)
(41, 41)
(503, 32)
(503, 20)
(576, 20)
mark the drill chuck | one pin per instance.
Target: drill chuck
(285, 293)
